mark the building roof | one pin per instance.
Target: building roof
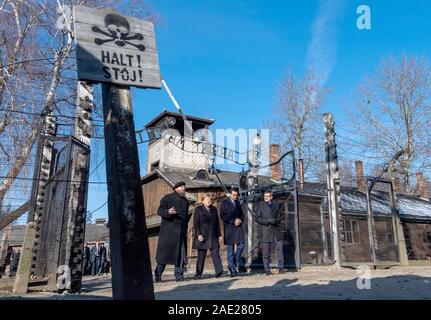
(354, 201)
(93, 233)
(166, 113)
(174, 175)
(96, 232)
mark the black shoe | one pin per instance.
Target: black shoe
(179, 279)
(268, 273)
(233, 274)
(197, 277)
(280, 271)
(158, 278)
(218, 275)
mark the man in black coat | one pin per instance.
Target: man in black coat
(95, 259)
(268, 215)
(172, 244)
(232, 215)
(102, 252)
(85, 259)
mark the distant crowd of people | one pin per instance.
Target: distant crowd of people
(96, 259)
(10, 265)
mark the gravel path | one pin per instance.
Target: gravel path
(309, 283)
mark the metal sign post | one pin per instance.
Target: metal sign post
(120, 52)
(113, 48)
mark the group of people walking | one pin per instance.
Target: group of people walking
(96, 259)
(172, 244)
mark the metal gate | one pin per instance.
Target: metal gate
(52, 239)
(286, 194)
(367, 225)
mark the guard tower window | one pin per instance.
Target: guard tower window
(202, 175)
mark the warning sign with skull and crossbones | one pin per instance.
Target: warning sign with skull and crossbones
(115, 48)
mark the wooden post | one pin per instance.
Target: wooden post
(4, 246)
(25, 261)
(79, 185)
(252, 181)
(37, 206)
(333, 185)
(324, 240)
(398, 228)
(131, 265)
(296, 221)
(370, 218)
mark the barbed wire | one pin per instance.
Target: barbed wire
(54, 180)
(97, 209)
(34, 60)
(40, 115)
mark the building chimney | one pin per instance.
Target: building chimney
(301, 173)
(274, 155)
(421, 185)
(360, 179)
(397, 184)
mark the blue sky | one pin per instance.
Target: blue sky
(223, 59)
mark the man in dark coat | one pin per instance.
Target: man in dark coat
(95, 259)
(91, 265)
(172, 244)
(14, 263)
(232, 215)
(85, 259)
(268, 215)
(102, 252)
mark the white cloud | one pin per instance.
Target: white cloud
(322, 49)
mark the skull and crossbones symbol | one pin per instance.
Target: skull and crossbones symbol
(118, 31)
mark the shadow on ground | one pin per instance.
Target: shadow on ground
(391, 287)
(276, 287)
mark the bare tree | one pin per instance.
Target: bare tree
(297, 119)
(392, 111)
(37, 75)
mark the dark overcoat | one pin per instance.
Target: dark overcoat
(173, 229)
(228, 213)
(206, 223)
(93, 252)
(270, 221)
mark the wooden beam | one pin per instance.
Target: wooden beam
(12, 216)
(131, 266)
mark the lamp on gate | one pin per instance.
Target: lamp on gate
(256, 139)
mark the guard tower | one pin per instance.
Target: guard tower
(181, 151)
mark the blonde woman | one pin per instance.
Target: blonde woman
(207, 236)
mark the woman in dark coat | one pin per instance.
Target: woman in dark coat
(207, 236)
